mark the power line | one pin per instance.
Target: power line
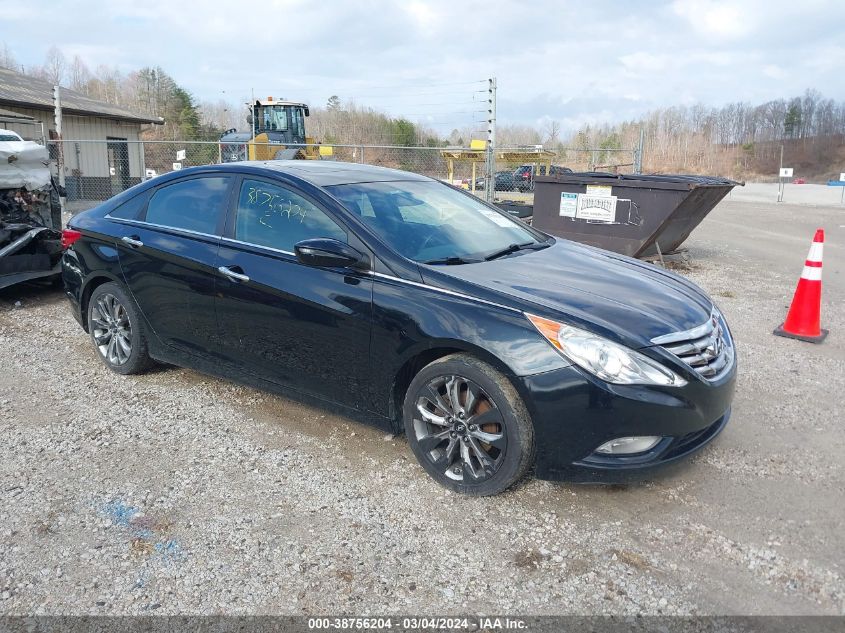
(370, 88)
(442, 114)
(430, 85)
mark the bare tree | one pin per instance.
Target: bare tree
(516, 135)
(7, 58)
(78, 75)
(55, 66)
(219, 114)
(552, 133)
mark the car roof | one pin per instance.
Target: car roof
(323, 173)
(10, 132)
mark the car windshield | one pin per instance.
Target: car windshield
(432, 223)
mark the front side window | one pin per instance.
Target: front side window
(194, 205)
(276, 217)
(430, 222)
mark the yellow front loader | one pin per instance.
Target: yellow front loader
(278, 132)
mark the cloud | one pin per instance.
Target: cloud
(716, 18)
(93, 54)
(558, 60)
(424, 14)
(641, 61)
(774, 71)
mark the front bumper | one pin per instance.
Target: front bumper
(574, 414)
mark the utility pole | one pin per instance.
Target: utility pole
(252, 116)
(60, 150)
(490, 165)
(638, 162)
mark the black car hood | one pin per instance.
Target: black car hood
(609, 294)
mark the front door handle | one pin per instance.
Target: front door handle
(231, 274)
(133, 241)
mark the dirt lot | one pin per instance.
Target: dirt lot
(178, 493)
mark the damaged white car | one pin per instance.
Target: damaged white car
(30, 216)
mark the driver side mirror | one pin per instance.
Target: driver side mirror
(325, 252)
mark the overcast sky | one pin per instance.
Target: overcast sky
(573, 62)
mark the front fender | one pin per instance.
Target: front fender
(410, 318)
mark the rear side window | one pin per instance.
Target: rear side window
(194, 205)
(132, 208)
(269, 215)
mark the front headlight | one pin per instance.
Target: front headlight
(605, 359)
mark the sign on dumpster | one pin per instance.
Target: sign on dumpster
(596, 208)
(599, 190)
(842, 176)
(568, 204)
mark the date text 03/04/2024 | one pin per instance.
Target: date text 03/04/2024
(417, 623)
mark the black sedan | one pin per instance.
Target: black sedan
(412, 305)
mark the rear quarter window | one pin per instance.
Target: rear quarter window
(132, 208)
(194, 205)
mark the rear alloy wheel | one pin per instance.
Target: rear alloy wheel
(117, 331)
(468, 427)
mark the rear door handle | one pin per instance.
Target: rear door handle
(231, 274)
(133, 241)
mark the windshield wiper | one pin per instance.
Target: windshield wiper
(451, 261)
(514, 248)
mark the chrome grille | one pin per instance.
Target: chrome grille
(708, 348)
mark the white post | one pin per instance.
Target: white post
(143, 158)
(60, 153)
(490, 167)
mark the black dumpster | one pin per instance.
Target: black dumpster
(629, 214)
(520, 210)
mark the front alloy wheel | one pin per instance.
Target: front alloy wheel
(467, 426)
(460, 429)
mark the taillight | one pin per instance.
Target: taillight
(69, 236)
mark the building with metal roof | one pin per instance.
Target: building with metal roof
(101, 148)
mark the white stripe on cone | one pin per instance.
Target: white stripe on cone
(812, 273)
(816, 250)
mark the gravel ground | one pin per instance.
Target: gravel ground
(176, 493)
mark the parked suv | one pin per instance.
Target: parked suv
(504, 181)
(523, 176)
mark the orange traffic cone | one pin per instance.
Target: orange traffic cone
(803, 321)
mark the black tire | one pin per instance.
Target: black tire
(113, 321)
(451, 448)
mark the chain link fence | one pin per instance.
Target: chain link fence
(517, 167)
(97, 170)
